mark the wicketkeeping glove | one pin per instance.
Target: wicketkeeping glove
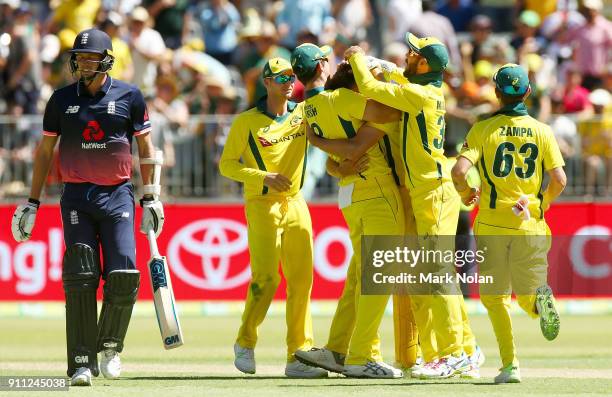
(23, 220)
(152, 216)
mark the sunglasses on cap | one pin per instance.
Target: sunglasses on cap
(283, 78)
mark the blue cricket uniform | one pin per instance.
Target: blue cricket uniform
(95, 149)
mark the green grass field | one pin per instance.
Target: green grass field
(579, 362)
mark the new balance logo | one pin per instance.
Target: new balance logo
(72, 109)
(125, 214)
(111, 107)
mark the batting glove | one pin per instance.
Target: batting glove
(152, 216)
(23, 220)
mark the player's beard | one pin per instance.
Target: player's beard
(410, 70)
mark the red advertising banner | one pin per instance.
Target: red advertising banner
(207, 251)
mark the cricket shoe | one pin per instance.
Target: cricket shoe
(81, 377)
(296, 369)
(476, 360)
(322, 358)
(244, 359)
(414, 370)
(437, 369)
(110, 364)
(549, 317)
(508, 374)
(371, 369)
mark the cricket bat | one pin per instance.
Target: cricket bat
(161, 285)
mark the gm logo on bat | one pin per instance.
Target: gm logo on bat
(158, 275)
(171, 340)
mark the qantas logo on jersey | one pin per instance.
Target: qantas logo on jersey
(515, 131)
(273, 141)
(93, 133)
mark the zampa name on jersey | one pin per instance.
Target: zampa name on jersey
(273, 141)
(515, 131)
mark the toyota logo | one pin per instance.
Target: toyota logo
(215, 251)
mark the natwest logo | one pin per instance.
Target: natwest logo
(93, 132)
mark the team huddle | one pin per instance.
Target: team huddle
(383, 130)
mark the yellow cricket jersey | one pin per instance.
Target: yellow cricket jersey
(266, 143)
(337, 114)
(512, 151)
(422, 124)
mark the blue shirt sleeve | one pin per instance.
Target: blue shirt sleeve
(139, 114)
(51, 118)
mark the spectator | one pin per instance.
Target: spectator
(400, 15)
(220, 21)
(526, 38)
(542, 7)
(170, 19)
(483, 45)
(596, 134)
(500, 11)
(591, 42)
(538, 102)
(22, 70)
(432, 24)
(123, 68)
(147, 47)
(75, 15)
(352, 17)
(575, 96)
(459, 13)
(264, 49)
(297, 15)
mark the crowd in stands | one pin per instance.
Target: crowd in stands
(193, 58)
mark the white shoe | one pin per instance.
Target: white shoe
(509, 374)
(322, 358)
(371, 369)
(110, 364)
(81, 377)
(437, 369)
(458, 364)
(296, 369)
(244, 359)
(476, 359)
(413, 371)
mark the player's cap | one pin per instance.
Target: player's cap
(93, 41)
(306, 57)
(276, 66)
(593, 4)
(139, 14)
(511, 79)
(431, 49)
(530, 18)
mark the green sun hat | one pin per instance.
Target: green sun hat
(306, 57)
(431, 49)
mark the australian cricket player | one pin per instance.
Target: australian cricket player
(512, 152)
(444, 330)
(271, 141)
(95, 120)
(371, 205)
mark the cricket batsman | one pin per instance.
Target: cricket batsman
(270, 139)
(513, 151)
(371, 205)
(446, 339)
(95, 121)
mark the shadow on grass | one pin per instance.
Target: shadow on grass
(203, 377)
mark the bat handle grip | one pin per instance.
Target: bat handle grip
(152, 242)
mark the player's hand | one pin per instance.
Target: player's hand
(470, 196)
(352, 51)
(277, 182)
(23, 220)
(152, 216)
(348, 167)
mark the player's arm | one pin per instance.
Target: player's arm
(408, 98)
(555, 187)
(42, 164)
(231, 167)
(347, 167)
(469, 195)
(146, 150)
(376, 112)
(351, 149)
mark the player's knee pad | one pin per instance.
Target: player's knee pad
(120, 292)
(80, 277)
